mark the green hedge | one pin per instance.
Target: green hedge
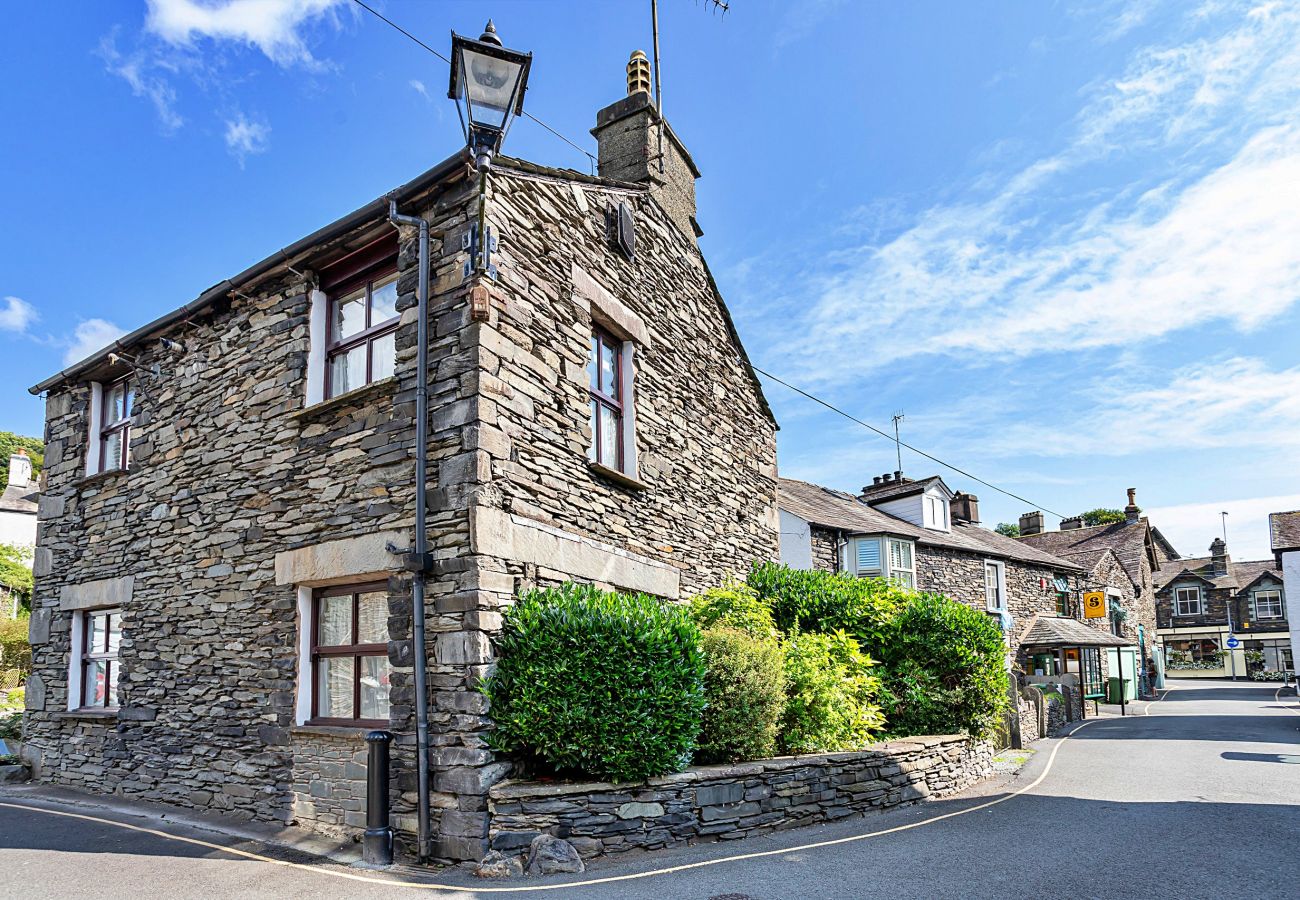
(599, 684)
(734, 605)
(830, 694)
(944, 669)
(824, 602)
(745, 691)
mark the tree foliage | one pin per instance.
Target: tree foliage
(10, 443)
(745, 690)
(1008, 529)
(16, 568)
(826, 602)
(830, 694)
(1102, 516)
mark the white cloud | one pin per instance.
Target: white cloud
(16, 315)
(89, 337)
(138, 71)
(1191, 526)
(1206, 232)
(275, 27)
(246, 138)
(418, 86)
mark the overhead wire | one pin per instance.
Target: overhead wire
(917, 450)
(526, 113)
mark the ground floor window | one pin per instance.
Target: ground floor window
(349, 655)
(1193, 653)
(101, 635)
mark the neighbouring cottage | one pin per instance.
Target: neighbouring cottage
(1121, 559)
(923, 535)
(19, 503)
(1203, 603)
(1284, 537)
(224, 574)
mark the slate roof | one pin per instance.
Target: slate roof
(1240, 574)
(1127, 541)
(836, 509)
(1284, 530)
(1058, 631)
(876, 493)
(20, 499)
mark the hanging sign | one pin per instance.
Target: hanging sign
(1094, 604)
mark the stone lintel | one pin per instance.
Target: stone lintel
(494, 532)
(97, 594)
(341, 561)
(607, 309)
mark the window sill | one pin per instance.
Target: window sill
(336, 731)
(87, 713)
(362, 393)
(98, 477)
(618, 477)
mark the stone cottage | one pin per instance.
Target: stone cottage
(225, 568)
(1122, 559)
(1201, 603)
(924, 535)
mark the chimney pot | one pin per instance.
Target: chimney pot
(1072, 523)
(876, 480)
(20, 469)
(1031, 523)
(638, 74)
(1131, 512)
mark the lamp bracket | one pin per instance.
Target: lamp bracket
(480, 256)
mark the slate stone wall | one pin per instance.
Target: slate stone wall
(825, 549)
(728, 802)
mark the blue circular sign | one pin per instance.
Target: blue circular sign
(1233, 643)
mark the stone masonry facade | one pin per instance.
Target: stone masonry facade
(241, 496)
(727, 802)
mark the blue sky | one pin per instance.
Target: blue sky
(1062, 238)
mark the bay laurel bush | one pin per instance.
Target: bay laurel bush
(745, 691)
(828, 601)
(734, 605)
(596, 683)
(945, 669)
(830, 694)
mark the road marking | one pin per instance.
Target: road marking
(1277, 698)
(1146, 710)
(568, 885)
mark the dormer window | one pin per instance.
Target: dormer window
(1187, 601)
(936, 512)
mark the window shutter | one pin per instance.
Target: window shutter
(868, 557)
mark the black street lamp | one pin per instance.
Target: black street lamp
(488, 83)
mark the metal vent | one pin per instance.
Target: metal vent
(625, 230)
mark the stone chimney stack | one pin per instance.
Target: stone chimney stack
(1219, 558)
(1031, 523)
(1131, 512)
(20, 469)
(1071, 524)
(628, 142)
(965, 508)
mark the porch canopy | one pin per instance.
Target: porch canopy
(1059, 635)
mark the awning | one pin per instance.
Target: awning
(1058, 631)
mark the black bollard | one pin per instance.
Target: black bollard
(377, 843)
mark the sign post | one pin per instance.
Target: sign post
(1119, 665)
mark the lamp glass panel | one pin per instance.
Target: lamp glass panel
(489, 85)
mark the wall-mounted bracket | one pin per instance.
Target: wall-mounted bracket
(480, 255)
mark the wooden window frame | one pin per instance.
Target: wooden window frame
(1281, 609)
(889, 561)
(1178, 600)
(122, 426)
(602, 337)
(1000, 582)
(110, 658)
(372, 331)
(356, 651)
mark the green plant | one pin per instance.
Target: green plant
(830, 694)
(16, 568)
(827, 601)
(1008, 529)
(15, 652)
(608, 685)
(11, 726)
(945, 669)
(734, 605)
(9, 759)
(1102, 516)
(745, 691)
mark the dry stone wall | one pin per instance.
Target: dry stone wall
(711, 803)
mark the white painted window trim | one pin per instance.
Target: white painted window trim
(1281, 609)
(302, 701)
(77, 637)
(316, 322)
(1001, 570)
(627, 389)
(1195, 590)
(95, 424)
(889, 559)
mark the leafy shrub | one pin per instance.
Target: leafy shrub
(945, 669)
(745, 690)
(11, 726)
(830, 694)
(608, 685)
(734, 605)
(828, 601)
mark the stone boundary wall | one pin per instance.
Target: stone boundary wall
(734, 801)
(1041, 714)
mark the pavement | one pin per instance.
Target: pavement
(1197, 795)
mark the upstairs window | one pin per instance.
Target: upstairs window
(1268, 604)
(1187, 601)
(995, 590)
(1063, 604)
(609, 384)
(936, 513)
(115, 419)
(362, 334)
(349, 656)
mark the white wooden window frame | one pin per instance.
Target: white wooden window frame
(849, 560)
(999, 585)
(1196, 601)
(895, 572)
(1275, 597)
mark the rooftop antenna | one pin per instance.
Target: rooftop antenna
(898, 443)
(1223, 519)
(659, 95)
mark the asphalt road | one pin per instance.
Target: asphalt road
(1198, 798)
